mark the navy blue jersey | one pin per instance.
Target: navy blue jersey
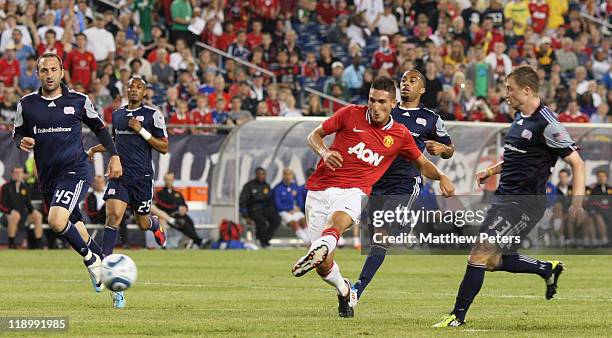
(424, 125)
(55, 125)
(531, 148)
(134, 151)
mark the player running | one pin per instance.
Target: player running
(137, 129)
(366, 143)
(531, 147)
(48, 121)
(403, 180)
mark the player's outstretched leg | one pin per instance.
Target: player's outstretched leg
(549, 271)
(318, 253)
(482, 257)
(375, 258)
(93, 247)
(58, 221)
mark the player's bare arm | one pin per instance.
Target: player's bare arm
(332, 158)
(159, 144)
(483, 176)
(439, 149)
(578, 184)
(431, 171)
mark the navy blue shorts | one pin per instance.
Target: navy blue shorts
(136, 192)
(510, 220)
(69, 191)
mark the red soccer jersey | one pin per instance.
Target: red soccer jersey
(539, 15)
(200, 118)
(8, 71)
(57, 49)
(80, 65)
(367, 150)
(568, 118)
(384, 60)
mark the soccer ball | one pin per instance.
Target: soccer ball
(118, 272)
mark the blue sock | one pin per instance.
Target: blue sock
(95, 248)
(72, 235)
(470, 286)
(110, 237)
(154, 224)
(525, 264)
(374, 260)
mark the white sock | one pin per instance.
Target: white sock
(301, 234)
(334, 278)
(329, 239)
(557, 223)
(88, 256)
(356, 241)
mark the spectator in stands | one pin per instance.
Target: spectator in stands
(357, 31)
(255, 36)
(161, 69)
(290, 44)
(518, 12)
(598, 204)
(28, 78)
(182, 13)
(180, 117)
(499, 61)
(201, 114)
(336, 79)
(237, 114)
(353, 76)
(369, 9)
(22, 51)
(272, 100)
(94, 205)
(219, 114)
(573, 114)
(471, 15)
(338, 32)
(219, 92)
(80, 65)
(313, 106)
(433, 87)
(171, 208)
(566, 57)
(386, 22)
(50, 44)
(7, 34)
(9, 68)
(602, 115)
(326, 59)
(239, 47)
(456, 55)
(487, 36)
(257, 207)
(16, 204)
(545, 54)
(480, 73)
(49, 24)
(100, 42)
(262, 109)
(286, 200)
(384, 57)
(600, 64)
(289, 109)
(326, 13)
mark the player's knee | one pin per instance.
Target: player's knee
(56, 224)
(14, 216)
(113, 219)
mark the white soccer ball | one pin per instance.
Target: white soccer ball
(118, 272)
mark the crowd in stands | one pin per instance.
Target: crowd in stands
(464, 49)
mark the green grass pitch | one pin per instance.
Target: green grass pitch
(247, 294)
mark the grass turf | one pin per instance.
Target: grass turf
(240, 293)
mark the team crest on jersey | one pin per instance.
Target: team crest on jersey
(23, 192)
(421, 121)
(388, 141)
(265, 190)
(111, 191)
(69, 110)
(527, 134)
(140, 118)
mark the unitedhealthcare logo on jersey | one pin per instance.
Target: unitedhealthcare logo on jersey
(37, 130)
(365, 155)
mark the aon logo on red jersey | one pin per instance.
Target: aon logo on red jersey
(366, 155)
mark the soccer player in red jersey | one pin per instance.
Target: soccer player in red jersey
(366, 143)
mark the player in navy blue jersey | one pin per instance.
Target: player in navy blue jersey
(403, 180)
(137, 129)
(48, 121)
(531, 147)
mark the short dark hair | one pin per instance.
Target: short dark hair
(16, 167)
(259, 169)
(81, 34)
(50, 55)
(384, 83)
(50, 31)
(565, 171)
(525, 76)
(599, 171)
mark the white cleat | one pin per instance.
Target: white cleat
(95, 273)
(314, 257)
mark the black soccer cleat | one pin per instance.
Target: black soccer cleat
(346, 304)
(551, 281)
